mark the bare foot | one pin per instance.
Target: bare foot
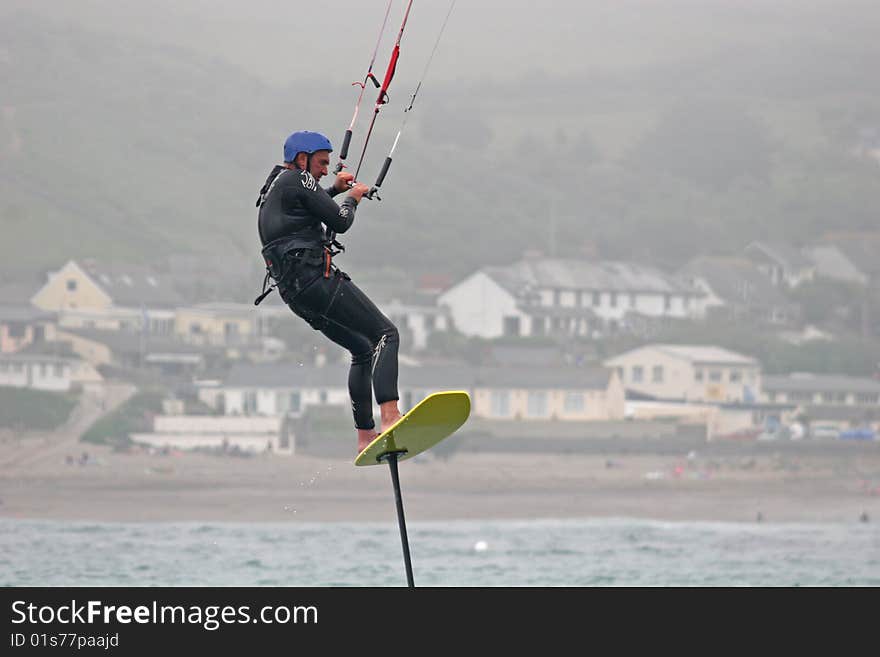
(365, 437)
(390, 414)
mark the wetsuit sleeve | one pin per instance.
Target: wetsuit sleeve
(332, 191)
(337, 218)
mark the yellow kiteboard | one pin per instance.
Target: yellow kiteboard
(436, 417)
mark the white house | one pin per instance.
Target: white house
(277, 389)
(417, 321)
(544, 296)
(689, 373)
(250, 434)
(35, 371)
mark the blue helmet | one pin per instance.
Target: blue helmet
(305, 142)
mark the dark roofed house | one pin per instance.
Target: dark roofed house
(530, 393)
(783, 264)
(737, 289)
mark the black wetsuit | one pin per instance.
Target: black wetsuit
(293, 213)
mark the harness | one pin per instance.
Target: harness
(283, 254)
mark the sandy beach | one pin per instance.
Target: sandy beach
(783, 483)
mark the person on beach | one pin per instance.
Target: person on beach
(295, 216)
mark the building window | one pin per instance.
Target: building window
(698, 375)
(632, 300)
(657, 374)
(715, 375)
(841, 397)
(612, 299)
(867, 398)
(537, 404)
(556, 297)
(597, 299)
(735, 376)
(800, 397)
(500, 403)
(195, 328)
(250, 402)
(574, 402)
(322, 396)
(827, 397)
(294, 402)
(430, 322)
(637, 373)
(71, 285)
(771, 397)
(511, 326)
(667, 302)
(59, 369)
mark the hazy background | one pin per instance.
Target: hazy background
(651, 131)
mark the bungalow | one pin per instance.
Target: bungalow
(568, 394)
(45, 372)
(689, 373)
(249, 434)
(823, 389)
(565, 394)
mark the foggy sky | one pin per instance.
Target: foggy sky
(283, 42)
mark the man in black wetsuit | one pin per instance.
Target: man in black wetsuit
(294, 219)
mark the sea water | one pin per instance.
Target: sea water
(594, 552)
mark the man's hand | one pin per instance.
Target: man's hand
(343, 181)
(357, 191)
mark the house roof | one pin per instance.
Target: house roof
(862, 252)
(783, 254)
(570, 274)
(736, 281)
(121, 342)
(575, 378)
(132, 285)
(833, 263)
(818, 412)
(21, 357)
(697, 354)
(819, 383)
(285, 375)
(452, 377)
(23, 313)
(706, 354)
(507, 355)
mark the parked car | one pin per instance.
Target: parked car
(862, 433)
(824, 431)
